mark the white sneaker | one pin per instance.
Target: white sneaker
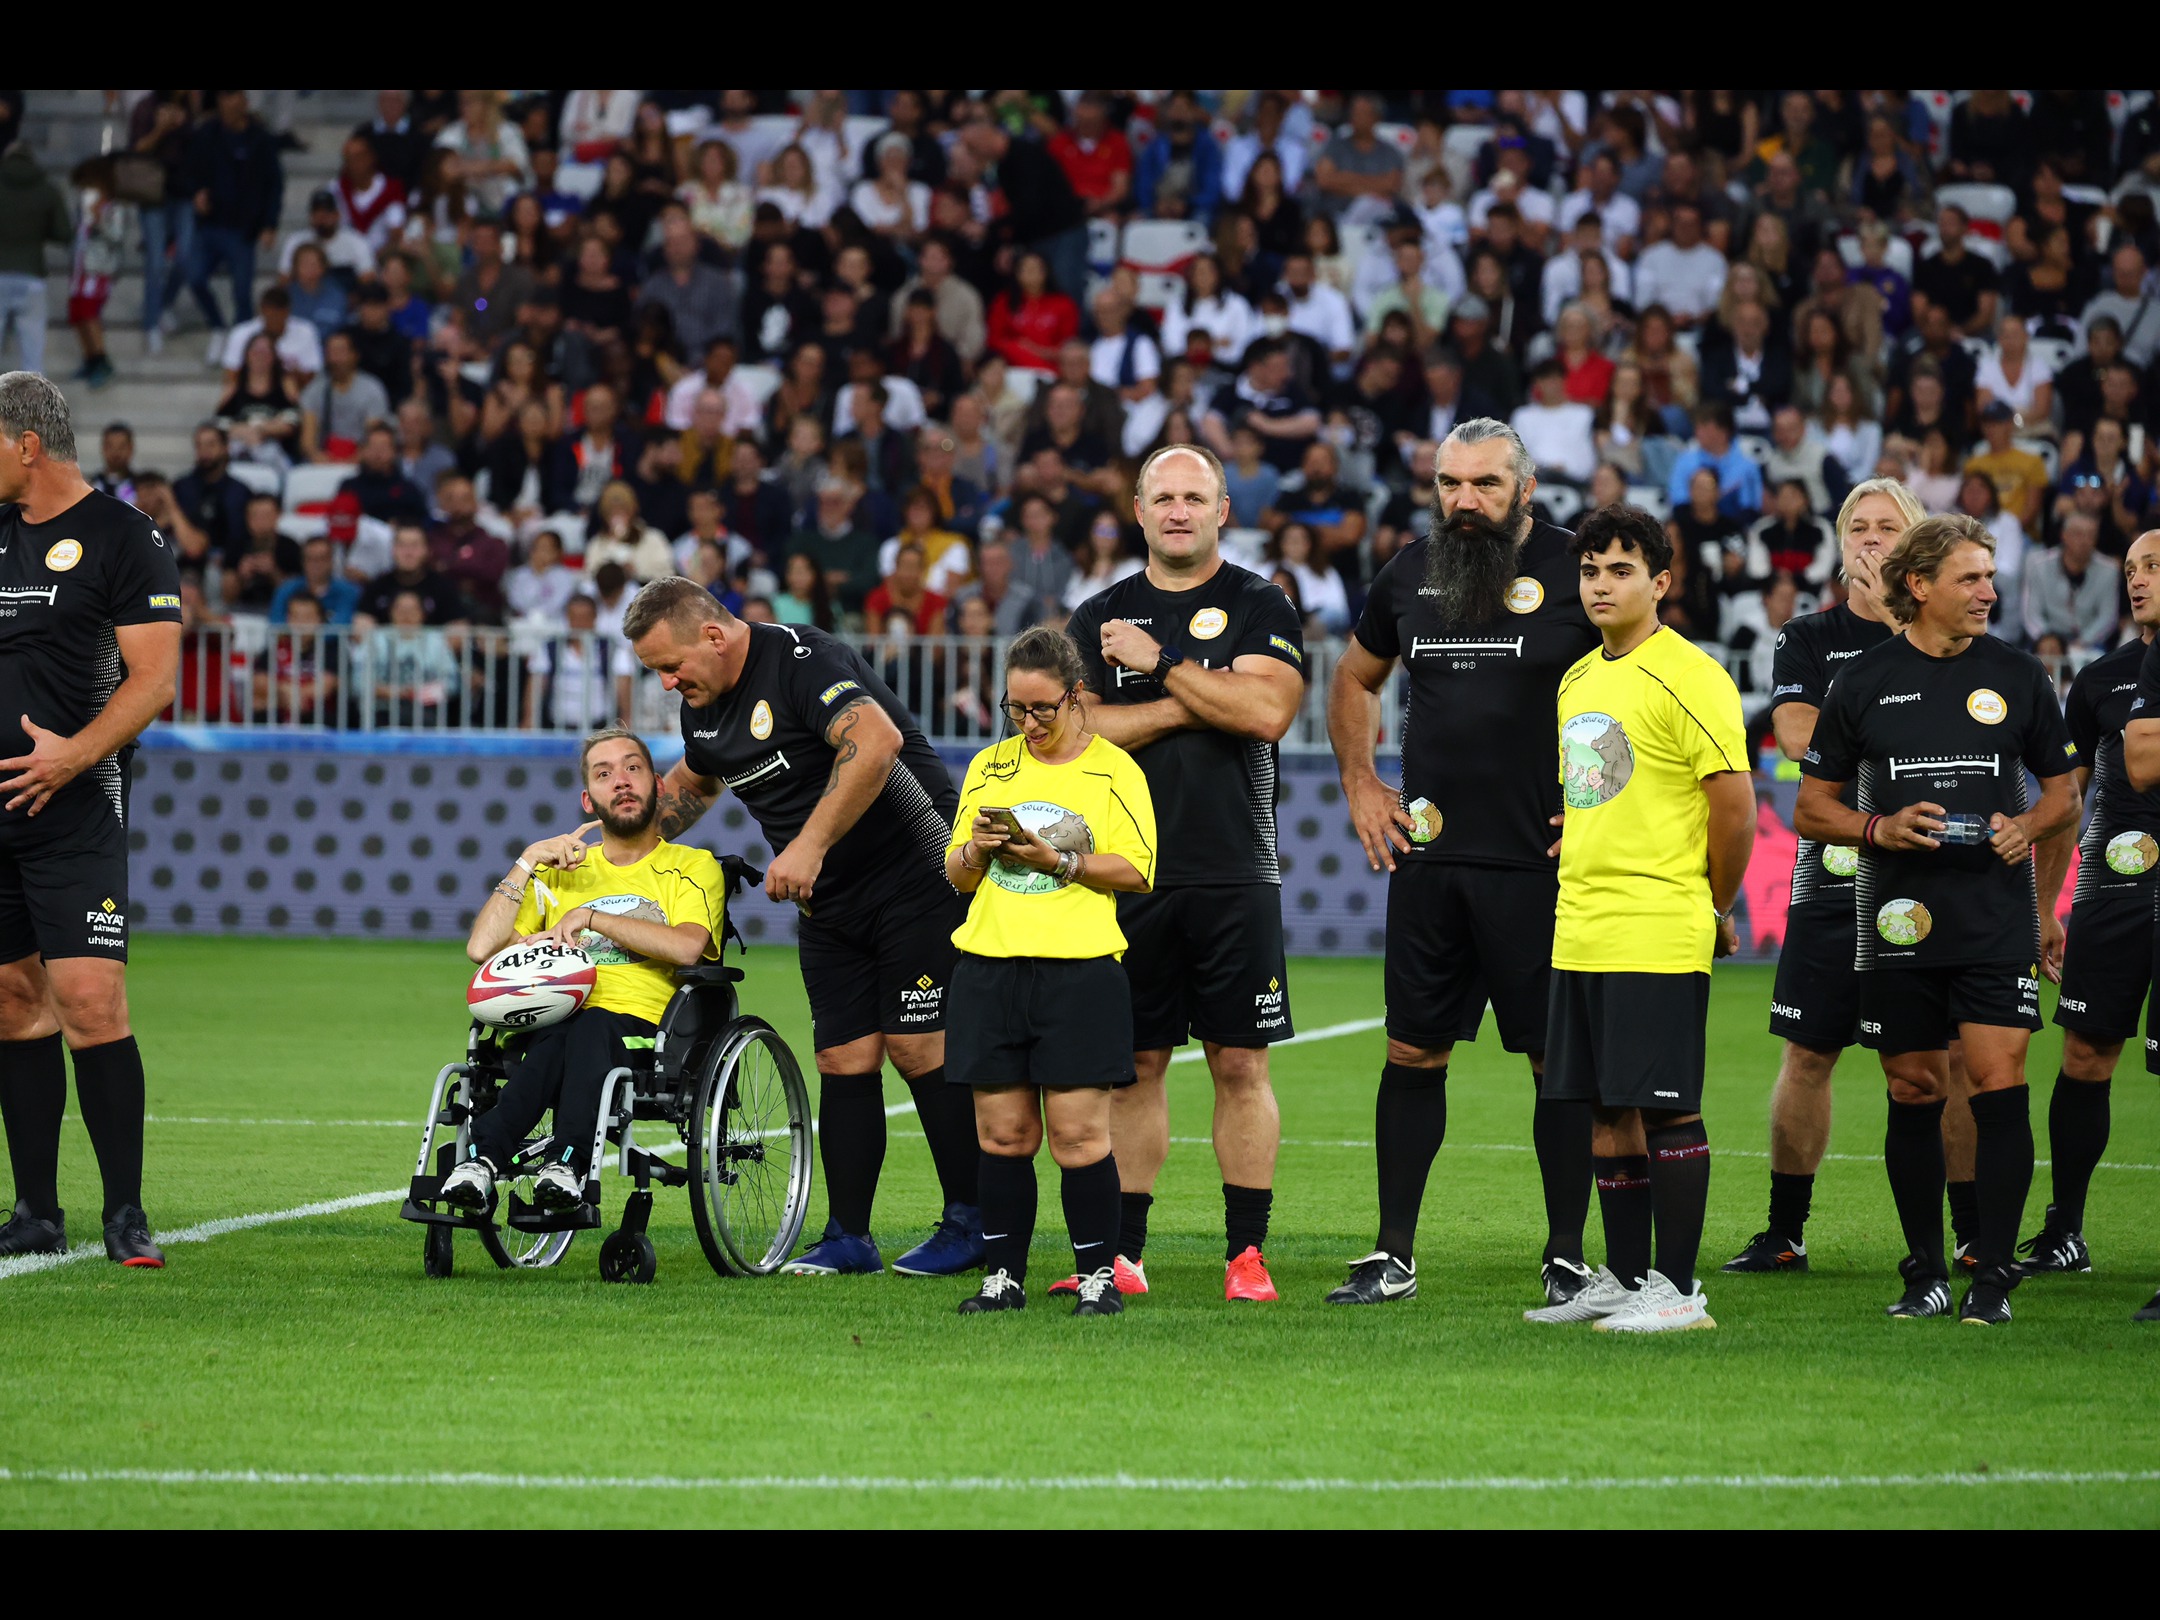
(470, 1186)
(1659, 1307)
(557, 1187)
(154, 340)
(215, 354)
(1605, 1296)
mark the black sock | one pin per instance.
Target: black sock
(33, 1100)
(1964, 1211)
(1561, 1129)
(1090, 1195)
(1008, 1209)
(109, 1090)
(2077, 1136)
(2002, 1170)
(1132, 1224)
(851, 1141)
(947, 1113)
(1623, 1191)
(1409, 1124)
(1790, 1198)
(1913, 1156)
(1680, 1193)
(1245, 1218)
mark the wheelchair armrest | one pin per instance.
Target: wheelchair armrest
(739, 874)
(709, 973)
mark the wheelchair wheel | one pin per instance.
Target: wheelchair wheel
(750, 1152)
(435, 1253)
(627, 1257)
(521, 1251)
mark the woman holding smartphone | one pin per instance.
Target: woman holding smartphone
(1052, 825)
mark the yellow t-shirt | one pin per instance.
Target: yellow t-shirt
(672, 884)
(2015, 474)
(1097, 804)
(1637, 736)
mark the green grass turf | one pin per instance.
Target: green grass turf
(317, 1346)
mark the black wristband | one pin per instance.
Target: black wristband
(1168, 660)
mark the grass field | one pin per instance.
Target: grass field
(312, 1355)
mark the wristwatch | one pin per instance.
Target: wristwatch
(1169, 660)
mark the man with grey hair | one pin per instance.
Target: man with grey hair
(1486, 616)
(2071, 593)
(89, 642)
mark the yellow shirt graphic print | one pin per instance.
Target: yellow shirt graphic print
(670, 885)
(1062, 829)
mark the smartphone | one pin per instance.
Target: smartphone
(1005, 819)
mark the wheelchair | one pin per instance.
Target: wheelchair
(724, 1081)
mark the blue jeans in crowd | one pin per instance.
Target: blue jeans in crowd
(235, 250)
(169, 224)
(1067, 254)
(22, 306)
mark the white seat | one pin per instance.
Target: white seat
(1162, 244)
(1757, 448)
(863, 129)
(262, 480)
(1651, 499)
(1159, 289)
(2057, 352)
(580, 180)
(1400, 136)
(762, 381)
(1022, 383)
(315, 483)
(2086, 196)
(2046, 450)
(1983, 203)
(1897, 255)
(1102, 244)
(1359, 240)
(1563, 501)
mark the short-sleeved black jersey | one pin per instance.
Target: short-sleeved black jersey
(1960, 732)
(66, 587)
(1477, 726)
(1214, 793)
(1811, 652)
(2120, 848)
(766, 740)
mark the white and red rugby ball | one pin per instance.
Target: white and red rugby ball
(530, 986)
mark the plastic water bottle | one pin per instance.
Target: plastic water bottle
(1965, 828)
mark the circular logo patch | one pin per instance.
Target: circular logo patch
(1840, 860)
(761, 720)
(64, 556)
(1425, 820)
(1595, 760)
(1060, 828)
(2132, 853)
(604, 951)
(1209, 623)
(1525, 595)
(1903, 922)
(1986, 706)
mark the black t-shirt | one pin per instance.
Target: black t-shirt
(65, 587)
(1477, 733)
(2120, 848)
(1812, 651)
(441, 602)
(1957, 287)
(766, 740)
(1960, 732)
(1214, 793)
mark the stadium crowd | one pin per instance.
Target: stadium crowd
(885, 360)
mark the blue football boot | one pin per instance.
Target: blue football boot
(836, 1254)
(954, 1245)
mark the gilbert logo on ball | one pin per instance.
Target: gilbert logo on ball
(530, 986)
(1525, 595)
(1986, 706)
(1209, 623)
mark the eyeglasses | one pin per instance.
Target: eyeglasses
(1041, 713)
(2088, 481)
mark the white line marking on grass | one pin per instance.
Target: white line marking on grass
(19, 1265)
(175, 1119)
(1356, 1026)
(286, 1480)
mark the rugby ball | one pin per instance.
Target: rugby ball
(530, 986)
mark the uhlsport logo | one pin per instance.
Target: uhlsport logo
(1595, 760)
(64, 556)
(761, 720)
(1268, 1006)
(922, 1001)
(1987, 706)
(1060, 828)
(108, 924)
(1525, 595)
(1209, 623)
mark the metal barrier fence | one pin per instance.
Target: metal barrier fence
(251, 675)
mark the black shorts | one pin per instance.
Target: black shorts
(2107, 964)
(883, 971)
(1816, 999)
(64, 880)
(1206, 963)
(1918, 1009)
(1627, 1040)
(1039, 1021)
(1459, 936)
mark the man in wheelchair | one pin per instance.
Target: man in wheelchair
(640, 907)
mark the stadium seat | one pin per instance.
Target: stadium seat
(1102, 250)
(1651, 499)
(1757, 448)
(1162, 244)
(762, 381)
(2054, 351)
(259, 478)
(2047, 450)
(1898, 255)
(1989, 207)
(1561, 502)
(311, 486)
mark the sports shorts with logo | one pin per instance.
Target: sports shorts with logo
(1816, 998)
(1056, 1021)
(883, 970)
(2107, 964)
(1206, 962)
(64, 878)
(1458, 936)
(1627, 1040)
(1919, 1009)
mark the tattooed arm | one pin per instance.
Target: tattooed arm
(684, 796)
(865, 743)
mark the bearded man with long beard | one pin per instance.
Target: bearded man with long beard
(1486, 615)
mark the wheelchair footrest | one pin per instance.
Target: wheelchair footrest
(525, 1218)
(415, 1210)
